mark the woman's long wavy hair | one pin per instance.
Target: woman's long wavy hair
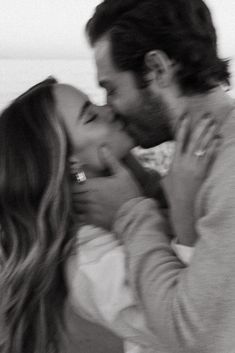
(34, 219)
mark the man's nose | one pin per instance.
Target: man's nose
(108, 113)
(109, 100)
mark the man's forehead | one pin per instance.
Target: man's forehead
(102, 48)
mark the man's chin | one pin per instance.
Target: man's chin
(149, 142)
(140, 140)
(149, 139)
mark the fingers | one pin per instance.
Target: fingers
(81, 205)
(91, 215)
(202, 143)
(82, 210)
(83, 189)
(110, 161)
(202, 136)
(182, 135)
(81, 218)
(211, 151)
(207, 137)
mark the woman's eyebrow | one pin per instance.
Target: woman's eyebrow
(84, 108)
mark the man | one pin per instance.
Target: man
(157, 59)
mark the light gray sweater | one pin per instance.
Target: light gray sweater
(190, 310)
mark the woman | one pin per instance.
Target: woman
(35, 211)
(35, 208)
(44, 134)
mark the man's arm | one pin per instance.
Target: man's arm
(189, 309)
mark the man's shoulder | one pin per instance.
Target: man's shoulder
(223, 167)
(227, 130)
(220, 180)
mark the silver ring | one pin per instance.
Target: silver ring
(199, 153)
(80, 177)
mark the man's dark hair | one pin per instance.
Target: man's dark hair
(183, 29)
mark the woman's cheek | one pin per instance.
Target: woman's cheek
(121, 147)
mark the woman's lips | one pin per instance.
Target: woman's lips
(129, 128)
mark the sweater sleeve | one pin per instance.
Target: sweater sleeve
(99, 290)
(190, 309)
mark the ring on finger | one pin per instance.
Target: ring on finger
(200, 153)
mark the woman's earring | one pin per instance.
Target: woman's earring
(77, 173)
(80, 177)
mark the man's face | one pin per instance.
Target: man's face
(145, 113)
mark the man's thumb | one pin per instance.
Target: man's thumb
(110, 161)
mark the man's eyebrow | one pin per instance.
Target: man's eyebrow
(84, 108)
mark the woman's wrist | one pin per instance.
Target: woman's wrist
(183, 226)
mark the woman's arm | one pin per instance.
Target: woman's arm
(193, 158)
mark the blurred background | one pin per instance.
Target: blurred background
(39, 38)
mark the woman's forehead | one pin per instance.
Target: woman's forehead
(68, 92)
(69, 100)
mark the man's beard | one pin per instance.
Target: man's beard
(152, 124)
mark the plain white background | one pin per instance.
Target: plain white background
(55, 28)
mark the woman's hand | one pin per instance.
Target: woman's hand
(194, 155)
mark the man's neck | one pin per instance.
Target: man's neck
(216, 102)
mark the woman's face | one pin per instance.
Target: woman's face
(90, 127)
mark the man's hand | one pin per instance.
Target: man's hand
(98, 199)
(147, 178)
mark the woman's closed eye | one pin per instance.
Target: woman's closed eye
(89, 118)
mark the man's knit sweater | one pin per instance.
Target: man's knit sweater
(189, 309)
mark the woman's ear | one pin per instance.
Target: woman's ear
(159, 67)
(74, 164)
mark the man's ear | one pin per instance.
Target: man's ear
(159, 67)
